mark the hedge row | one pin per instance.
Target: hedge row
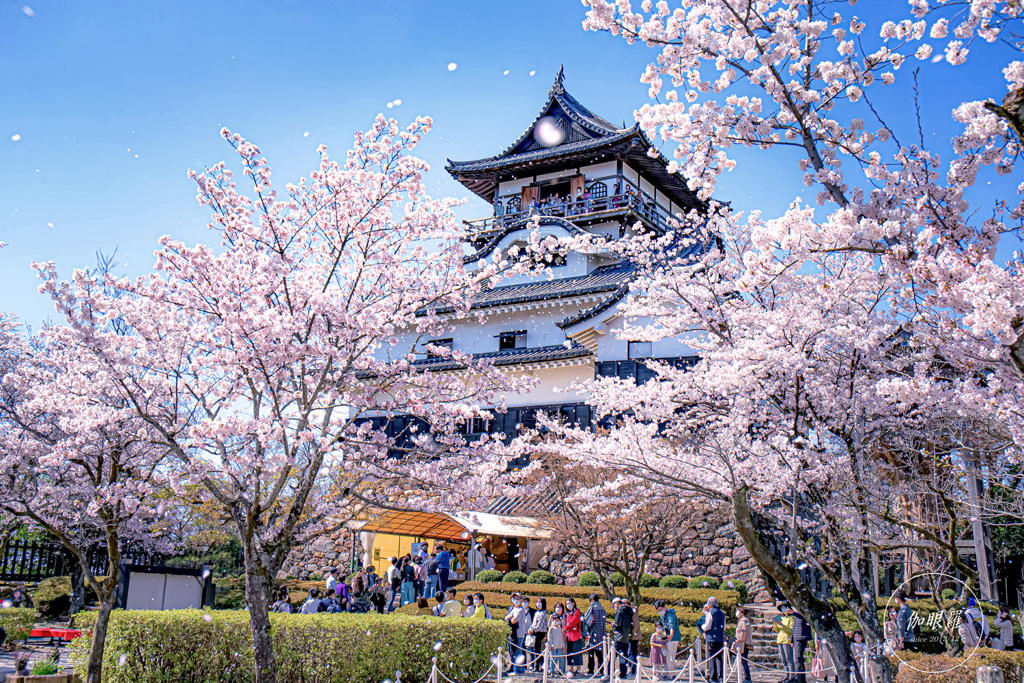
(959, 669)
(193, 646)
(17, 622)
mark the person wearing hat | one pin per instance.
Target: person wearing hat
(977, 618)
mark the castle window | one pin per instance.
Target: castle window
(512, 340)
(444, 343)
(639, 349)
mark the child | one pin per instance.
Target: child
(858, 647)
(556, 639)
(658, 643)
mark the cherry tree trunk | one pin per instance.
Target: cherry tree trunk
(818, 613)
(258, 584)
(99, 640)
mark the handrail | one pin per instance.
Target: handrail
(631, 198)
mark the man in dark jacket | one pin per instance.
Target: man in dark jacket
(595, 619)
(634, 640)
(714, 636)
(622, 633)
(801, 635)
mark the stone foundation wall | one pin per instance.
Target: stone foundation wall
(318, 556)
(707, 545)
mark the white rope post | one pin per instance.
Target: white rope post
(639, 669)
(498, 665)
(546, 662)
(689, 665)
(433, 670)
(725, 662)
(739, 659)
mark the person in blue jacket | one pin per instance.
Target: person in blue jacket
(444, 565)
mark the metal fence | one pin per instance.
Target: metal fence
(25, 560)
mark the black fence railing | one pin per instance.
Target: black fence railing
(25, 560)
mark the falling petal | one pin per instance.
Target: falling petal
(802, 566)
(437, 646)
(122, 660)
(15, 137)
(506, 73)
(306, 134)
(521, 659)
(532, 72)
(398, 103)
(938, 58)
(7, 604)
(453, 66)
(390, 104)
(730, 584)
(28, 12)
(206, 573)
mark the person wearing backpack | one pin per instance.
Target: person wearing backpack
(801, 636)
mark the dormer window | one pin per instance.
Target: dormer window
(443, 343)
(512, 340)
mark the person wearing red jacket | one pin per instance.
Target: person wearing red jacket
(573, 635)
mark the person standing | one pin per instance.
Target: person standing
(658, 642)
(332, 580)
(444, 565)
(595, 619)
(408, 587)
(539, 631)
(1004, 622)
(556, 640)
(905, 624)
(671, 623)
(744, 641)
(801, 636)
(784, 627)
(420, 577)
(573, 635)
(622, 633)
(430, 566)
(714, 636)
(394, 583)
(475, 561)
(634, 639)
(517, 619)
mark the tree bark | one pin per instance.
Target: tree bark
(99, 641)
(258, 584)
(818, 613)
(77, 589)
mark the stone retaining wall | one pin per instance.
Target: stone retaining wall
(317, 557)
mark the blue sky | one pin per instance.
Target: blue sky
(114, 101)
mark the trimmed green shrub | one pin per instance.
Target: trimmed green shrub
(487, 576)
(52, 597)
(18, 622)
(588, 579)
(515, 577)
(708, 582)
(542, 577)
(617, 579)
(647, 581)
(674, 582)
(947, 594)
(738, 586)
(181, 646)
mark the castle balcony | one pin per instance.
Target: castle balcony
(610, 198)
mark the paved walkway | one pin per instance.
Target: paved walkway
(37, 649)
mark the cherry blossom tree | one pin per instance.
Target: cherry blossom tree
(76, 461)
(259, 364)
(820, 336)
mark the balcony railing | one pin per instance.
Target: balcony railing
(609, 197)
